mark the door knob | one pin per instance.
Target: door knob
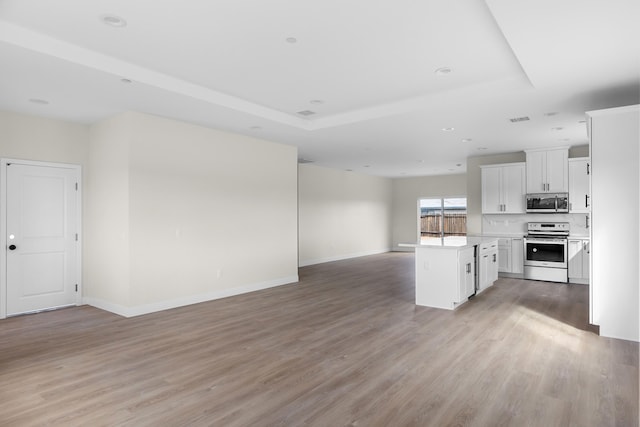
(12, 247)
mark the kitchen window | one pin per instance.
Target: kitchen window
(442, 217)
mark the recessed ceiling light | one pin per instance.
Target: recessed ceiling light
(367, 166)
(126, 81)
(552, 113)
(557, 128)
(349, 170)
(255, 127)
(564, 140)
(458, 164)
(481, 148)
(467, 140)
(316, 101)
(306, 112)
(443, 71)
(291, 40)
(113, 21)
(582, 121)
(39, 101)
(451, 169)
(448, 129)
(420, 161)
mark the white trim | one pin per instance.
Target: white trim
(187, 300)
(561, 147)
(3, 224)
(308, 262)
(500, 165)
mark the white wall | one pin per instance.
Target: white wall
(48, 140)
(207, 214)
(342, 214)
(106, 229)
(615, 249)
(407, 191)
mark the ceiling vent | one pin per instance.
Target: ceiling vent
(306, 113)
(519, 119)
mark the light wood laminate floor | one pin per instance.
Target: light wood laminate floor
(345, 346)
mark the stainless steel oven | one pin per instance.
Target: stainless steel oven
(545, 248)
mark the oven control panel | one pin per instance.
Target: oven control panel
(549, 228)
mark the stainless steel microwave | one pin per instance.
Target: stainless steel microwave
(548, 203)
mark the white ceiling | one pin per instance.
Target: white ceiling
(228, 64)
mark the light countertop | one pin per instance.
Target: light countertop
(452, 242)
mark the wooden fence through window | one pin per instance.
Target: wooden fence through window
(455, 224)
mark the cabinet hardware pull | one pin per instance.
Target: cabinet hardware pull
(588, 169)
(586, 200)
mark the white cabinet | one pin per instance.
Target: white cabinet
(579, 260)
(445, 276)
(504, 255)
(503, 188)
(517, 256)
(510, 259)
(488, 264)
(579, 195)
(466, 275)
(547, 170)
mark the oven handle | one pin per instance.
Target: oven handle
(550, 240)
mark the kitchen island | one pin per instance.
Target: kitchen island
(451, 269)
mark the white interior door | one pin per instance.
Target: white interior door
(42, 251)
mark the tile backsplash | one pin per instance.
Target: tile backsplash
(517, 223)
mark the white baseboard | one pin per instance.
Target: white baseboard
(403, 249)
(188, 300)
(304, 263)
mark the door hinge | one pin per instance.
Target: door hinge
(76, 186)
(588, 172)
(76, 237)
(76, 288)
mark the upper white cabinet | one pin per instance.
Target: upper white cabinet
(579, 195)
(547, 170)
(503, 188)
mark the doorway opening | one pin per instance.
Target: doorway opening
(441, 217)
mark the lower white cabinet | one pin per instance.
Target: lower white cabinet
(444, 276)
(517, 255)
(578, 254)
(488, 264)
(504, 255)
(510, 255)
(466, 275)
